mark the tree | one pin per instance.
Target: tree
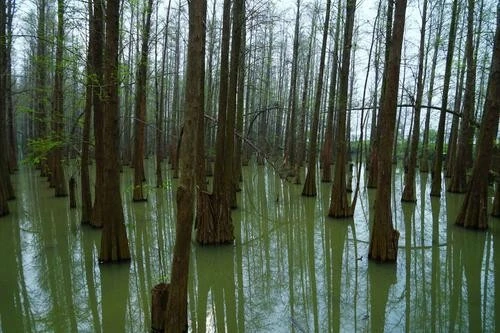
(57, 176)
(384, 238)
(438, 155)
(339, 204)
(409, 186)
(463, 156)
(114, 242)
(140, 109)
(97, 219)
(4, 208)
(474, 211)
(215, 225)
(176, 311)
(309, 189)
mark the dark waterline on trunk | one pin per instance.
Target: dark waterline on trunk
(291, 267)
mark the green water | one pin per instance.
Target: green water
(291, 268)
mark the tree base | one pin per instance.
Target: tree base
(214, 225)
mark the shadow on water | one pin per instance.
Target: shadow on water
(291, 268)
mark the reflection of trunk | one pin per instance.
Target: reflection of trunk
(384, 238)
(310, 182)
(472, 255)
(435, 265)
(474, 212)
(381, 278)
(115, 297)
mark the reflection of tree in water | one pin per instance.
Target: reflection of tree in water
(336, 232)
(381, 277)
(115, 292)
(214, 274)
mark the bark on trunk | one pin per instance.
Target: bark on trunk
(384, 238)
(474, 211)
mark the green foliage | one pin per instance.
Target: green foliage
(39, 149)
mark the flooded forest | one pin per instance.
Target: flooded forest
(249, 166)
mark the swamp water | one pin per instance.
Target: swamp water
(291, 269)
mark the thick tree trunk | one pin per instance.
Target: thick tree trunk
(474, 211)
(328, 150)
(309, 189)
(384, 238)
(98, 87)
(176, 311)
(114, 242)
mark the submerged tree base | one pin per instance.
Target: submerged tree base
(214, 225)
(384, 245)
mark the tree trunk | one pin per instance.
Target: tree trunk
(215, 225)
(97, 219)
(339, 205)
(409, 186)
(58, 110)
(463, 160)
(327, 151)
(4, 174)
(495, 212)
(474, 211)
(438, 155)
(140, 110)
(114, 242)
(176, 313)
(309, 189)
(384, 238)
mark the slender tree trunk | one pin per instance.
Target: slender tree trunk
(384, 238)
(114, 242)
(301, 144)
(409, 186)
(438, 155)
(160, 114)
(140, 110)
(310, 182)
(474, 211)
(292, 105)
(424, 158)
(339, 205)
(458, 183)
(87, 118)
(176, 312)
(175, 102)
(58, 110)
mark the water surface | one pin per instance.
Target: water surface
(291, 269)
